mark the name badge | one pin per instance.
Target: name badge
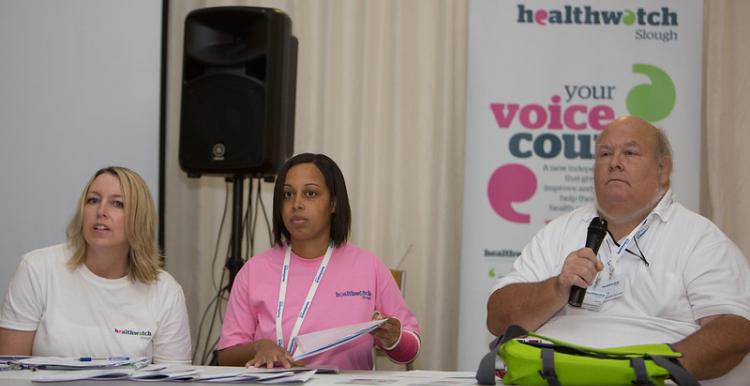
(614, 290)
(594, 299)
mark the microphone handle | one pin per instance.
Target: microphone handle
(577, 293)
(576, 296)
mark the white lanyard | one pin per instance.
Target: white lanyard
(310, 294)
(614, 254)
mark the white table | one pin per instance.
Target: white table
(389, 378)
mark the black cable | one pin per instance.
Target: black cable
(217, 306)
(217, 286)
(258, 199)
(250, 234)
(200, 325)
(246, 215)
(218, 237)
(268, 223)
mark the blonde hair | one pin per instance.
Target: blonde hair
(140, 226)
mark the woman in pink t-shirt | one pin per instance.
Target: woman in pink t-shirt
(326, 282)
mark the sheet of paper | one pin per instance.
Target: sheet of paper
(321, 341)
(176, 374)
(66, 376)
(297, 377)
(299, 369)
(247, 377)
(75, 363)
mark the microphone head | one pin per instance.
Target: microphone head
(598, 225)
(596, 233)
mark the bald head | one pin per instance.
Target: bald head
(662, 146)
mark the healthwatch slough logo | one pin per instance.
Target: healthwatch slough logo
(561, 128)
(587, 15)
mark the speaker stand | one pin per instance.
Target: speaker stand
(234, 260)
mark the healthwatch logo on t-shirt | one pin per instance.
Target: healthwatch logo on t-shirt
(126, 331)
(364, 294)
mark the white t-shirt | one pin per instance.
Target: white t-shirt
(694, 272)
(77, 313)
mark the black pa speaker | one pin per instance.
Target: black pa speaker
(239, 79)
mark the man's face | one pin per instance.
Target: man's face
(628, 176)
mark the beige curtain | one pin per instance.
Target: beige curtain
(381, 89)
(725, 172)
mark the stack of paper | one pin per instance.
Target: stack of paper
(181, 373)
(67, 376)
(78, 363)
(269, 376)
(165, 374)
(321, 341)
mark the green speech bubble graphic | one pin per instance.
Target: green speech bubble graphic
(652, 101)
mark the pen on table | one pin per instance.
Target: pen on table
(89, 359)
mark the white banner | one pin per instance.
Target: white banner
(545, 77)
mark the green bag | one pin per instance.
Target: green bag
(554, 362)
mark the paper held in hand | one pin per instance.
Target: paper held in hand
(321, 341)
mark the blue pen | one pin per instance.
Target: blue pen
(89, 359)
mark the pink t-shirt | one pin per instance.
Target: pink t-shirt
(355, 284)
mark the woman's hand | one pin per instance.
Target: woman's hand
(389, 332)
(269, 354)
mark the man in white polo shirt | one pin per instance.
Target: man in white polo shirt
(663, 273)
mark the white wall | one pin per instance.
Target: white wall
(79, 90)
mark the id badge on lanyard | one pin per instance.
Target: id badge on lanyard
(308, 300)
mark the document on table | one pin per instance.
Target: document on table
(179, 373)
(321, 341)
(78, 363)
(67, 376)
(272, 377)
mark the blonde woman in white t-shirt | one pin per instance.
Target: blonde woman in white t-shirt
(103, 292)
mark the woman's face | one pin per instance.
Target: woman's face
(104, 216)
(306, 207)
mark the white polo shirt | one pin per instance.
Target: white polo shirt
(77, 313)
(694, 271)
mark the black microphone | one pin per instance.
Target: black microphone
(595, 236)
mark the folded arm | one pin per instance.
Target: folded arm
(530, 305)
(717, 347)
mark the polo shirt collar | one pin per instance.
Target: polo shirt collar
(664, 209)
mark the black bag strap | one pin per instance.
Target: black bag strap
(680, 376)
(548, 367)
(641, 374)
(486, 370)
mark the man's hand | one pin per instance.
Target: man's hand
(580, 269)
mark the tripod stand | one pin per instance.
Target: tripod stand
(234, 260)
